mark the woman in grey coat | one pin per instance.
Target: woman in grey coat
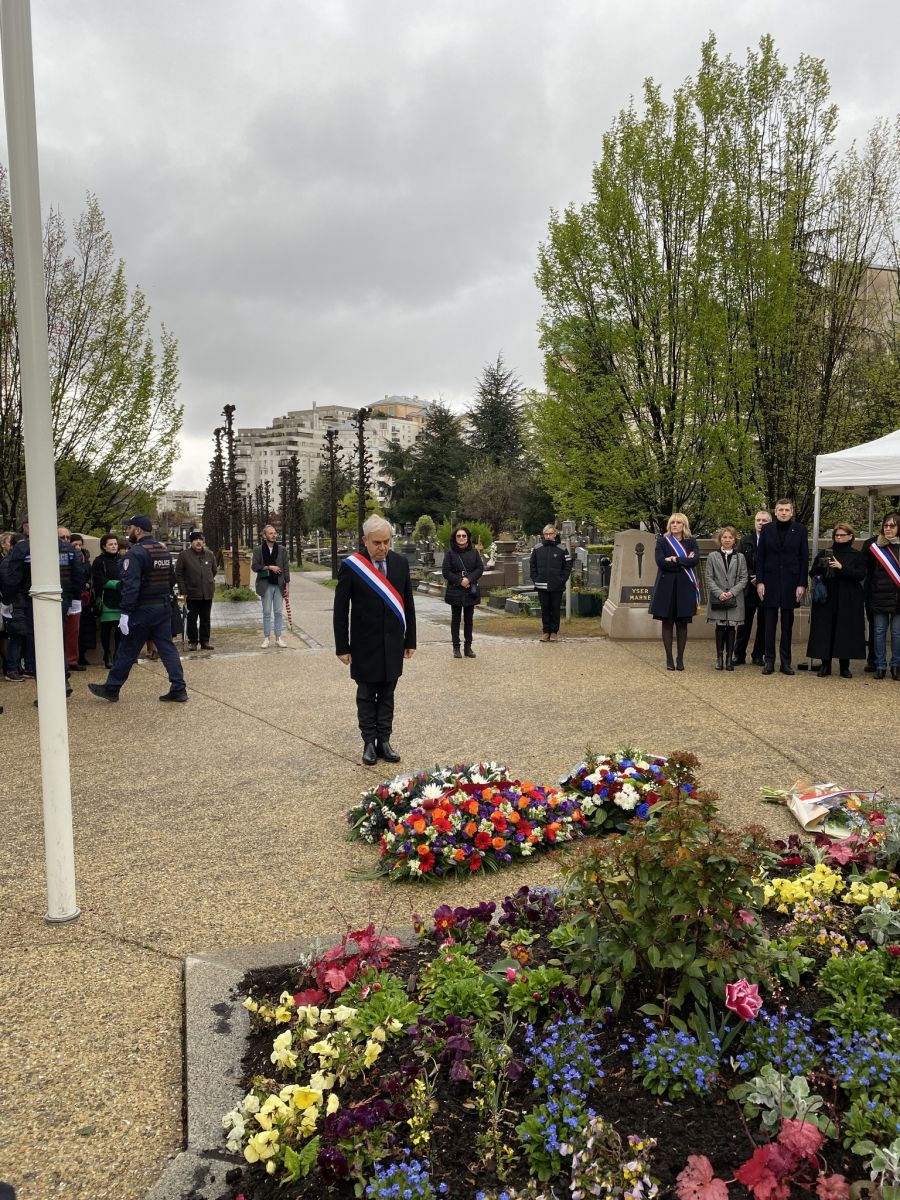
(726, 580)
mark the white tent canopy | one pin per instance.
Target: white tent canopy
(871, 467)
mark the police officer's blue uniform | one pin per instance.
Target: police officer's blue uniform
(148, 577)
(16, 587)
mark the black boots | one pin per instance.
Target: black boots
(470, 653)
(457, 653)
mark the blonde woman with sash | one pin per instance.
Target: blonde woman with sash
(676, 593)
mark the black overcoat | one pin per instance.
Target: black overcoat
(367, 629)
(883, 593)
(782, 567)
(456, 564)
(672, 581)
(845, 610)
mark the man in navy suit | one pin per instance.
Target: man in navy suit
(782, 568)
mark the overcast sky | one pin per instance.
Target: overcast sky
(332, 201)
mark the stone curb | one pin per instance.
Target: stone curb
(215, 1030)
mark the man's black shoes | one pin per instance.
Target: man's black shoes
(787, 669)
(102, 692)
(758, 662)
(369, 755)
(768, 668)
(176, 697)
(387, 752)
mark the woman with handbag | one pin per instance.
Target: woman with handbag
(106, 584)
(462, 568)
(837, 615)
(676, 593)
(726, 582)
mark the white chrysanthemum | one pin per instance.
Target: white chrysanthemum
(628, 798)
(432, 791)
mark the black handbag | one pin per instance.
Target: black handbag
(820, 591)
(717, 602)
(473, 587)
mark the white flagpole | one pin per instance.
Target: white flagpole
(40, 476)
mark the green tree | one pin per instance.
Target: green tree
(704, 328)
(347, 511)
(113, 388)
(395, 463)
(318, 500)
(428, 480)
(495, 418)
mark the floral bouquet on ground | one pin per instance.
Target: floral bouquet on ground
(396, 797)
(472, 825)
(615, 788)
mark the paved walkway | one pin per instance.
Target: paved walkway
(221, 823)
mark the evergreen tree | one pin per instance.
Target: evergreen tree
(440, 457)
(495, 418)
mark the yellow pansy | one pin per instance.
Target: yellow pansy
(305, 1097)
(262, 1146)
(282, 1054)
(322, 1080)
(373, 1049)
(333, 1104)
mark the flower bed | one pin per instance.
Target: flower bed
(462, 820)
(682, 1017)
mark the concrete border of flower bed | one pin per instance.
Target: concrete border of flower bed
(214, 1035)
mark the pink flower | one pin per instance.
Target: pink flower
(894, 950)
(511, 974)
(757, 1176)
(832, 1187)
(743, 998)
(745, 918)
(801, 1138)
(840, 854)
(696, 1181)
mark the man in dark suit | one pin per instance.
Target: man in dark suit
(374, 631)
(782, 568)
(751, 599)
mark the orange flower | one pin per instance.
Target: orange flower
(438, 814)
(471, 828)
(514, 818)
(523, 802)
(527, 786)
(419, 825)
(487, 793)
(423, 851)
(534, 837)
(472, 807)
(399, 827)
(498, 843)
(459, 854)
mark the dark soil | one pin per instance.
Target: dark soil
(713, 1126)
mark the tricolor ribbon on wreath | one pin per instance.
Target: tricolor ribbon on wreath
(379, 583)
(689, 571)
(888, 561)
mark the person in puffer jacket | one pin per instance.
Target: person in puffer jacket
(550, 567)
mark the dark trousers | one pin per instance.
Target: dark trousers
(752, 607)
(28, 652)
(870, 639)
(550, 606)
(466, 611)
(198, 614)
(150, 624)
(787, 625)
(375, 709)
(108, 631)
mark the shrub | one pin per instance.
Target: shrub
(668, 907)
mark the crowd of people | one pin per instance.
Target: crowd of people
(764, 576)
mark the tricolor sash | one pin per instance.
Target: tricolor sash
(888, 561)
(369, 573)
(689, 571)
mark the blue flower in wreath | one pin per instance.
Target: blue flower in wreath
(642, 810)
(604, 792)
(587, 786)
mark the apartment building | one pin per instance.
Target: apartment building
(260, 452)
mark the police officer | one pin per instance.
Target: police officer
(15, 584)
(148, 577)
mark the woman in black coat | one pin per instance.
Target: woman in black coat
(675, 594)
(106, 575)
(837, 623)
(462, 568)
